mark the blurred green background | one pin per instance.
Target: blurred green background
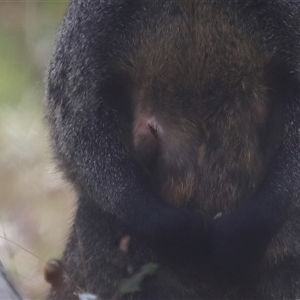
(35, 204)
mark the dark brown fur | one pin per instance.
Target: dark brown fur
(203, 87)
(195, 91)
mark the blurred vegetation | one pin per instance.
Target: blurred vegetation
(35, 204)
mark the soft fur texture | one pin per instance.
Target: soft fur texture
(164, 114)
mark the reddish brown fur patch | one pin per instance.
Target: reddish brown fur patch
(193, 50)
(178, 191)
(189, 54)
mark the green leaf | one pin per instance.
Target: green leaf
(133, 283)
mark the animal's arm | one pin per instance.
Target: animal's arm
(240, 237)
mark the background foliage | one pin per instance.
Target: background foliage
(35, 204)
